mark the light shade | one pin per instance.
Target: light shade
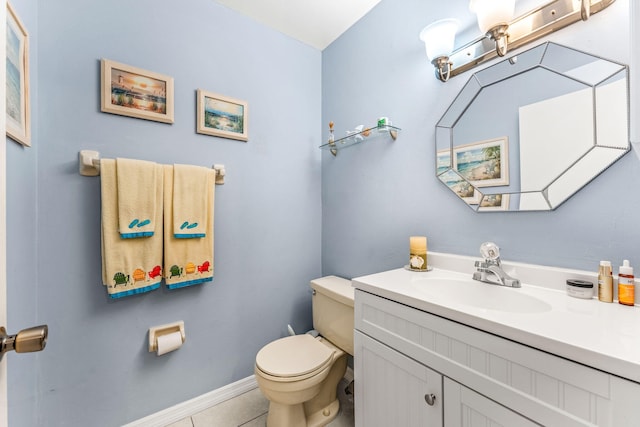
(439, 37)
(492, 12)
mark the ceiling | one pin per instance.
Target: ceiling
(314, 22)
(319, 22)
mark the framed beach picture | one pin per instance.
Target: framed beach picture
(222, 116)
(494, 202)
(443, 161)
(461, 187)
(134, 92)
(484, 163)
(17, 96)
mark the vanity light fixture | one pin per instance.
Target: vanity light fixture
(493, 19)
(501, 32)
(439, 38)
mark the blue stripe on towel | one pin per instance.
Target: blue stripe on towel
(134, 235)
(189, 283)
(189, 236)
(135, 291)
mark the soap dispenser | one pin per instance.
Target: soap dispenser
(626, 288)
(605, 282)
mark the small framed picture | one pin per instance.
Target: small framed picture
(443, 161)
(222, 116)
(494, 202)
(134, 92)
(483, 163)
(461, 187)
(17, 96)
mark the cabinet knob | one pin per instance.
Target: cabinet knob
(430, 398)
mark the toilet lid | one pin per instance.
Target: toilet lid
(293, 356)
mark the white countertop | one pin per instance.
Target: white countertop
(605, 336)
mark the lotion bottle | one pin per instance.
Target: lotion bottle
(626, 288)
(605, 282)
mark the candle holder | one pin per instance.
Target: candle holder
(418, 254)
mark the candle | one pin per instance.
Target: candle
(418, 252)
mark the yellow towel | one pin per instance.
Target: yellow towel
(129, 266)
(190, 205)
(137, 205)
(188, 261)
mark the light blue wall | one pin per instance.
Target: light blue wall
(22, 257)
(269, 215)
(96, 369)
(375, 195)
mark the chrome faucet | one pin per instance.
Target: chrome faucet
(490, 270)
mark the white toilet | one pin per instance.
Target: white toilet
(300, 374)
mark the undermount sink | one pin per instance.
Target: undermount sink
(479, 295)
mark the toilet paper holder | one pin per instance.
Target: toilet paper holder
(169, 328)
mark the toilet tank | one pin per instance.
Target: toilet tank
(332, 306)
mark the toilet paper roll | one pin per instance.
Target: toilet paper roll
(168, 342)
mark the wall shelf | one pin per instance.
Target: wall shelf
(362, 136)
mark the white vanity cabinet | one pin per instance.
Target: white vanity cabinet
(403, 354)
(465, 407)
(397, 391)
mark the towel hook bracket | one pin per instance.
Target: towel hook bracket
(220, 173)
(89, 163)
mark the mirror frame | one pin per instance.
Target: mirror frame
(559, 189)
(634, 73)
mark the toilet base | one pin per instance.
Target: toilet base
(324, 416)
(290, 415)
(293, 415)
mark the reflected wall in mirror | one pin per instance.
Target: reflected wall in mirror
(528, 132)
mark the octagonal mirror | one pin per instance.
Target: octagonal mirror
(528, 132)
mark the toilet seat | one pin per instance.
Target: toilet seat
(294, 358)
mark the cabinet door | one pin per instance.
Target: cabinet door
(466, 408)
(392, 389)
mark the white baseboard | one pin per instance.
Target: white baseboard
(197, 404)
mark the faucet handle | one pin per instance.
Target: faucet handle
(490, 251)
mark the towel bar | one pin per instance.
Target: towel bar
(89, 165)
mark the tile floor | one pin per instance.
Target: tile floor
(250, 410)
